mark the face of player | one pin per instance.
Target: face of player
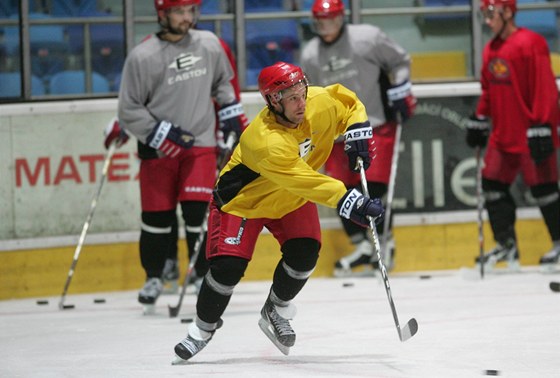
(293, 103)
(328, 28)
(496, 17)
(178, 20)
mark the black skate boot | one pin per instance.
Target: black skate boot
(361, 256)
(501, 253)
(170, 276)
(149, 294)
(277, 328)
(196, 340)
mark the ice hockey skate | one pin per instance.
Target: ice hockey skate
(149, 294)
(507, 253)
(549, 260)
(277, 327)
(360, 258)
(170, 277)
(196, 340)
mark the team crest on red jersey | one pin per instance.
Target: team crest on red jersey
(499, 68)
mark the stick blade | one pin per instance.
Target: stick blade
(408, 330)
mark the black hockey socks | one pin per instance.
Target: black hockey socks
(217, 288)
(501, 210)
(193, 215)
(155, 236)
(548, 200)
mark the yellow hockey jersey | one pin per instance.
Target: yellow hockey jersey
(273, 169)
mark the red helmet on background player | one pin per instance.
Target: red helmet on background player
(512, 4)
(165, 4)
(327, 8)
(278, 77)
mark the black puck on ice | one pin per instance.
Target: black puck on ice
(42, 302)
(187, 320)
(492, 372)
(99, 300)
(425, 277)
(348, 284)
(68, 307)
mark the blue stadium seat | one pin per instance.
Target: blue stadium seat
(73, 82)
(73, 8)
(107, 47)
(269, 41)
(10, 85)
(264, 5)
(542, 21)
(443, 3)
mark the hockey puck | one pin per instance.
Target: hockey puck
(348, 284)
(425, 277)
(68, 307)
(42, 302)
(187, 320)
(99, 300)
(492, 372)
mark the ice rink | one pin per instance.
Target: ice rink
(506, 322)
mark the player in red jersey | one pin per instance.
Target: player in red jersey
(517, 113)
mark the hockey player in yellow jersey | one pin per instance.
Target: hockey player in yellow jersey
(272, 181)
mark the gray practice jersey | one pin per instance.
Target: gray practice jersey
(175, 82)
(355, 60)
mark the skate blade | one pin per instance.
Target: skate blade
(149, 309)
(548, 268)
(266, 330)
(179, 361)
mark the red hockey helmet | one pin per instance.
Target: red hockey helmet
(278, 77)
(512, 4)
(165, 4)
(327, 8)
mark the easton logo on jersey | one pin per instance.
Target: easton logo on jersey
(499, 68)
(336, 64)
(304, 148)
(184, 62)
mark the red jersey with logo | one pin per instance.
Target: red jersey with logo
(518, 89)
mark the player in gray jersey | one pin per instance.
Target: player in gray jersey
(165, 101)
(364, 59)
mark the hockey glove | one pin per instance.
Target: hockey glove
(170, 139)
(478, 129)
(401, 100)
(356, 144)
(358, 208)
(114, 134)
(232, 119)
(540, 142)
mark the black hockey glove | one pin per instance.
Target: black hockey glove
(232, 119)
(540, 142)
(170, 139)
(478, 129)
(356, 144)
(358, 208)
(401, 100)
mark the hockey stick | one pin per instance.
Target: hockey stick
(480, 208)
(390, 194)
(174, 310)
(411, 327)
(106, 164)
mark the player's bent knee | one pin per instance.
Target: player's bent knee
(301, 254)
(228, 270)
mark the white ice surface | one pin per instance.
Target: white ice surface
(506, 322)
